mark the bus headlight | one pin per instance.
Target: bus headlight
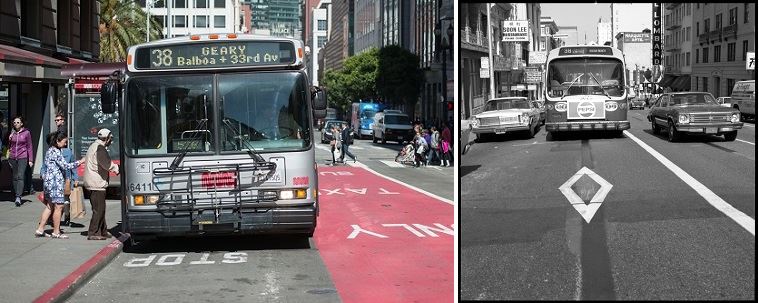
(683, 119)
(735, 117)
(145, 199)
(290, 194)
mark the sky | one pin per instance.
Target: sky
(583, 15)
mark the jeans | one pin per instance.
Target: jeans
(18, 169)
(344, 147)
(433, 152)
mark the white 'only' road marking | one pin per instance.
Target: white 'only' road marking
(736, 215)
(745, 141)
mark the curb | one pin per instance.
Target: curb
(76, 279)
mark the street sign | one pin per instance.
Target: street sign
(537, 57)
(516, 31)
(484, 62)
(532, 75)
(751, 60)
(484, 73)
(637, 38)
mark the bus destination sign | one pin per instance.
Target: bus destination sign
(214, 54)
(573, 51)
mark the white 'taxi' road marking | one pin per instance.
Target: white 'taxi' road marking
(407, 185)
(736, 215)
(745, 141)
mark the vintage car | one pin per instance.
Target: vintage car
(539, 104)
(509, 114)
(725, 101)
(327, 129)
(693, 112)
(638, 102)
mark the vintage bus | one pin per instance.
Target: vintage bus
(585, 90)
(217, 137)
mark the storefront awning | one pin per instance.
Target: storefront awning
(23, 65)
(682, 83)
(92, 69)
(666, 80)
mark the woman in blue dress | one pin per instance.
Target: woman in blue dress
(52, 182)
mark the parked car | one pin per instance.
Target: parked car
(693, 112)
(510, 114)
(725, 101)
(392, 125)
(744, 99)
(326, 130)
(540, 104)
(638, 102)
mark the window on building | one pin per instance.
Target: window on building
(733, 16)
(180, 21)
(320, 41)
(706, 26)
(219, 3)
(219, 21)
(687, 58)
(745, 49)
(64, 23)
(731, 51)
(687, 9)
(705, 81)
(717, 52)
(201, 21)
(698, 32)
(30, 22)
(159, 3)
(180, 3)
(718, 22)
(201, 3)
(696, 55)
(687, 33)
(746, 11)
(321, 25)
(705, 55)
(730, 84)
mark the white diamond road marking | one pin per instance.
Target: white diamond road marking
(586, 211)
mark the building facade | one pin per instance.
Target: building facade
(193, 17)
(724, 32)
(603, 32)
(307, 14)
(638, 57)
(432, 21)
(678, 45)
(37, 38)
(320, 31)
(367, 31)
(630, 17)
(340, 43)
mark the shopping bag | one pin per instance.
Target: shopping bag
(77, 203)
(67, 187)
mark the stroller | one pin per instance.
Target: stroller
(406, 155)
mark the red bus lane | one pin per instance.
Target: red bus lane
(381, 241)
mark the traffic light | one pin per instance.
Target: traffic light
(450, 105)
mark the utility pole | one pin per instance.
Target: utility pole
(169, 19)
(491, 66)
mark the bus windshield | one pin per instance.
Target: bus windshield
(173, 114)
(585, 76)
(368, 114)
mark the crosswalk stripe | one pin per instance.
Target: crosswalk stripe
(391, 163)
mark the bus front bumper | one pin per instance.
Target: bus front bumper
(587, 125)
(295, 219)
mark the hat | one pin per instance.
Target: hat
(104, 133)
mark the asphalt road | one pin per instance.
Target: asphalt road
(357, 207)
(653, 237)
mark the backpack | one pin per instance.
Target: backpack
(347, 136)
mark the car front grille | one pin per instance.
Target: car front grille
(490, 121)
(709, 118)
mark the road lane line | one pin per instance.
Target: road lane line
(745, 141)
(736, 215)
(391, 163)
(359, 164)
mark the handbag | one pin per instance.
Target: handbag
(77, 203)
(67, 187)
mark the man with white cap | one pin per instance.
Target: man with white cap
(96, 177)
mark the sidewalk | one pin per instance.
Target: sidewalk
(31, 266)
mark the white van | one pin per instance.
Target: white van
(744, 98)
(392, 125)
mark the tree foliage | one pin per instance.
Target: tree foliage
(399, 77)
(122, 24)
(355, 80)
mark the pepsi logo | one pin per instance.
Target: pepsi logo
(586, 109)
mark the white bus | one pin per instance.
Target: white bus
(217, 136)
(586, 90)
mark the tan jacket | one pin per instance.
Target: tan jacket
(97, 166)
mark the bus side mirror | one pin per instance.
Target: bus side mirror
(109, 94)
(320, 100)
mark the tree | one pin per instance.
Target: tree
(356, 80)
(122, 24)
(399, 78)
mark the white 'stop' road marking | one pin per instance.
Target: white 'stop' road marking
(745, 141)
(359, 164)
(739, 217)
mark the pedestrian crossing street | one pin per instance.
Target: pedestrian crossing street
(389, 156)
